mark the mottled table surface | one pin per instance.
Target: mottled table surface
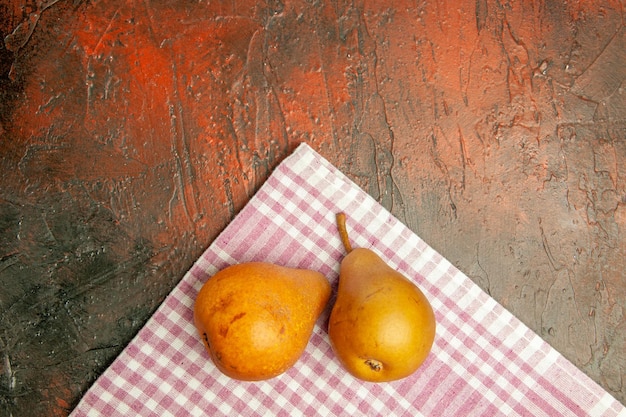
(131, 133)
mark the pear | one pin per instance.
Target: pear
(381, 326)
(256, 318)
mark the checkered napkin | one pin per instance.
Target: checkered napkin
(484, 361)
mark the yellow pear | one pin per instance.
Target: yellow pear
(256, 318)
(381, 326)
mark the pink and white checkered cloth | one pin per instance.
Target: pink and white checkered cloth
(484, 361)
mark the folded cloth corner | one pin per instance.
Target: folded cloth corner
(484, 361)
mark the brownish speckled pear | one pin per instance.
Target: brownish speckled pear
(381, 327)
(256, 318)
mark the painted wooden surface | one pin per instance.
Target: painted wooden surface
(132, 132)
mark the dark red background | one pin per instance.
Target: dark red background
(131, 133)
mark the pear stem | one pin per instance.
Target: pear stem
(343, 231)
